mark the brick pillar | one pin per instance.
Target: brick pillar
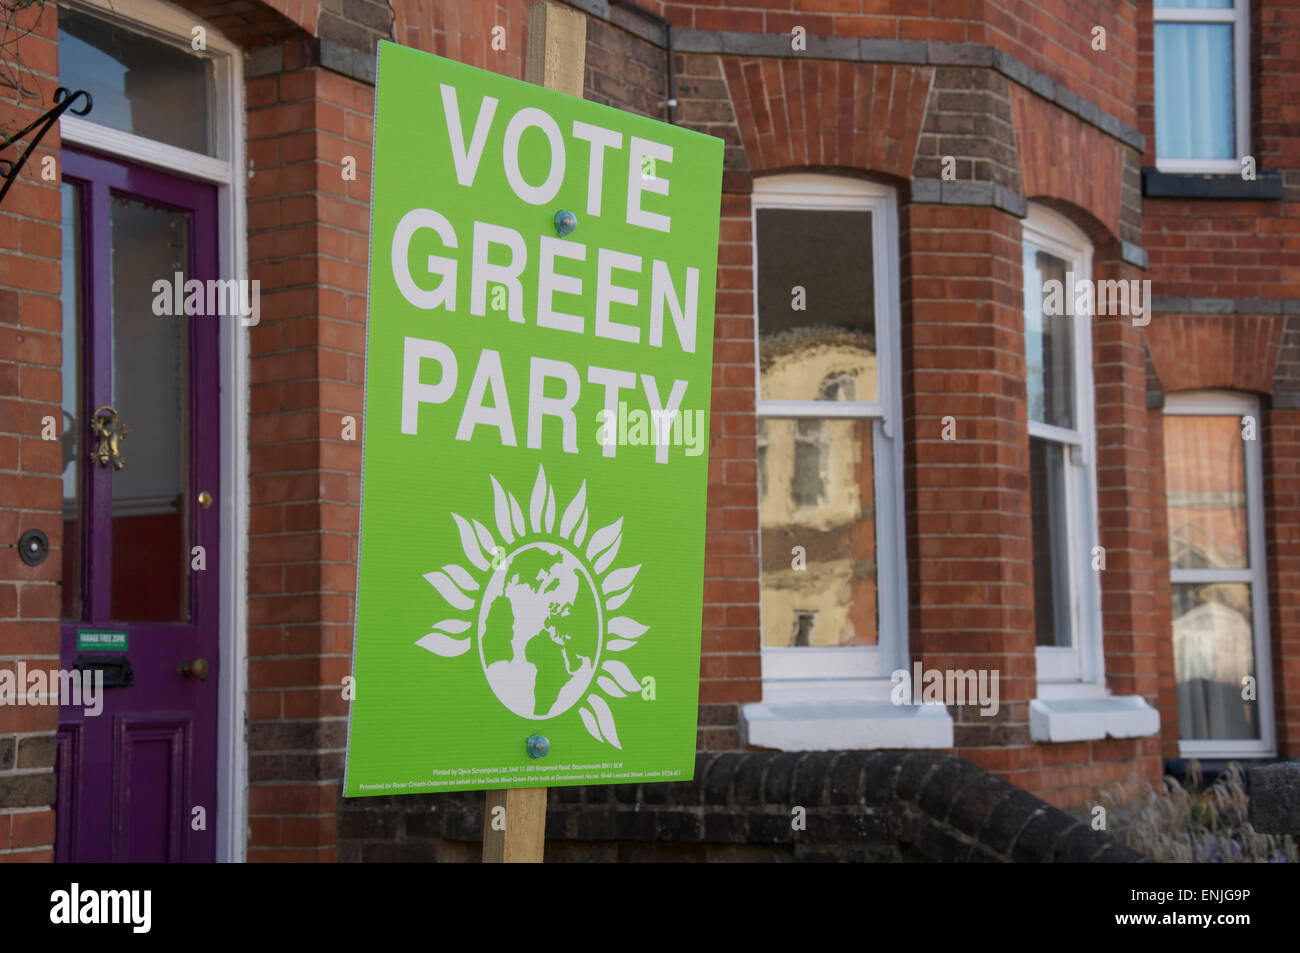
(308, 245)
(31, 355)
(1124, 505)
(730, 664)
(968, 507)
(1281, 517)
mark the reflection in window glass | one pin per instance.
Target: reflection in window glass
(817, 514)
(1051, 559)
(71, 425)
(151, 392)
(1206, 485)
(808, 487)
(816, 305)
(803, 626)
(140, 85)
(1213, 651)
(1049, 345)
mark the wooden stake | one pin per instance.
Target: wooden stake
(557, 48)
(556, 59)
(518, 835)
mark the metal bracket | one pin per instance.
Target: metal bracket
(63, 101)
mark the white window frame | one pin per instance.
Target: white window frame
(1072, 701)
(1221, 403)
(1239, 17)
(173, 25)
(835, 698)
(1077, 671)
(850, 672)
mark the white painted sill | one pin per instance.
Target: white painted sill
(1091, 719)
(849, 725)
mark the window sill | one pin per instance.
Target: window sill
(1198, 185)
(1091, 719)
(1201, 750)
(845, 725)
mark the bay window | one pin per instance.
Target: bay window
(834, 588)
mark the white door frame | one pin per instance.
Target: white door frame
(173, 24)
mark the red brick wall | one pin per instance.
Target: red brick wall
(1282, 516)
(1203, 351)
(967, 500)
(1083, 174)
(797, 114)
(30, 484)
(1240, 250)
(1125, 502)
(730, 668)
(308, 245)
(1052, 36)
(1055, 37)
(958, 20)
(462, 30)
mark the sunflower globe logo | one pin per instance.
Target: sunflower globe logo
(539, 607)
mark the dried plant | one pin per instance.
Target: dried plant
(1191, 823)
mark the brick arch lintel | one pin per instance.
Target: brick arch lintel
(260, 22)
(1216, 351)
(816, 114)
(1097, 174)
(1106, 245)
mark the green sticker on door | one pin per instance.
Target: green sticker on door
(97, 640)
(538, 371)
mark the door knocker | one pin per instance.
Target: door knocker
(108, 427)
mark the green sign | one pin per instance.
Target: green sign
(538, 368)
(89, 640)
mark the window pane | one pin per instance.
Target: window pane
(72, 424)
(151, 390)
(1194, 91)
(1195, 4)
(139, 85)
(1049, 341)
(1206, 485)
(1051, 558)
(816, 305)
(1214, 650)
(817, 515)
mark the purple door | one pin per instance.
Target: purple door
(141, 553)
